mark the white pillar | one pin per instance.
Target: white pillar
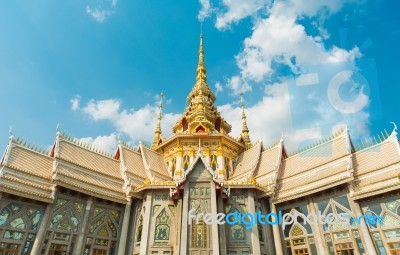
(184, 226)
(214, 227)
(207, 156)
(132, 226)
(364, 232)
(255, 239)
(42, 230)
(144, 247)
(179, 164)
(277, 234)
(82, 231)
(221, 164)
(192, 154)
(316, 228)
(178, 225)
(269, 236)
(124, 230)
(222, 234)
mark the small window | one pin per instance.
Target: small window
(217, 124)
(184, 124)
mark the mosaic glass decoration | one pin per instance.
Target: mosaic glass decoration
(237, 232)
(162, 227)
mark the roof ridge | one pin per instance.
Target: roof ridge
(85, 145)
(372, 141)
(131, 150)
(22, 143)
(127, 146)
(258, 143)
(272, 146)
(156, 152)
(318, 143)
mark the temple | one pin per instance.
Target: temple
(76, 199)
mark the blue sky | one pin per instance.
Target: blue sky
(96, 67)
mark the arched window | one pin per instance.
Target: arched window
(184, 124)
(173, 166)
(214, 163)
(186, 162)
(217, 124)
(139, 230)
(228, 167)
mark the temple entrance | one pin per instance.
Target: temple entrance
(9, 248)
(200, 242)
(344, 249)
(301, 251)
(200, 237)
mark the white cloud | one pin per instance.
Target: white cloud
(135, 123)
(103, 109)
(102, 10)
(218, 87)
(237, 85)
(75, 102)
(277, 118)
(107, 143)
(98, 14)
(280, 39)
(278, 36)
(237, 10)
(205, 10)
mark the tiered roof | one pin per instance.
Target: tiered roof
(91, 172)
(26, 172)
(246, 163)
(201, 115)
(377, 168)
(314, 169)
(267, 168)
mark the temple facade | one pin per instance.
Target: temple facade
(76, 199)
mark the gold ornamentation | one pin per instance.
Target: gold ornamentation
(147, 182)
(297, 231)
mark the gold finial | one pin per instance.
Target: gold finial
(201, 69)
(157, 132)
(244, 123)
(245, 129)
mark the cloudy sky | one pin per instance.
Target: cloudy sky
(96, 67)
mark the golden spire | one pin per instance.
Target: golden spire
(201, 69)
(245, 129)
(201, 115)
(157, 132)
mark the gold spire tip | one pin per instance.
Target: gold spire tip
(241, 99)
